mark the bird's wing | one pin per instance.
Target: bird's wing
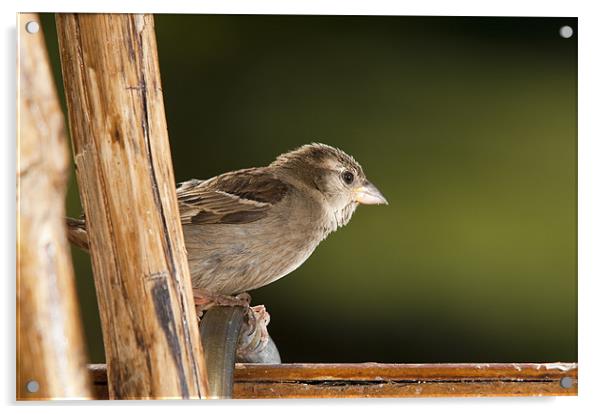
(238, 197)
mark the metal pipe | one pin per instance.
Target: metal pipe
(220, 330)
(231, 334)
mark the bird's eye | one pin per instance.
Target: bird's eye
(348, 177)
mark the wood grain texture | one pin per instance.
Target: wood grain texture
(50, 347)
(369, 380)
(125, 177)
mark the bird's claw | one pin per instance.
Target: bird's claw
(254, 337)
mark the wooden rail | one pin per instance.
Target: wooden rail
(392, 380)
(51, 357)
(126, 181)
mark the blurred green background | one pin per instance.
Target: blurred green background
(467, 125)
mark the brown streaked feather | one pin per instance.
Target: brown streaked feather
(77, 233)
(257, 184)
(238, 197)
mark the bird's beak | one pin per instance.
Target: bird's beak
(369, 194)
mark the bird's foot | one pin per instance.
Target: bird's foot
(254, 337)
(204, 300)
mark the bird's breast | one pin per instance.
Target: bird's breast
(230, 258)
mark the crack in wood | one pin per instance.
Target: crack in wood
(162, 301)
(347, 383)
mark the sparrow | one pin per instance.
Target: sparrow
(247, 228)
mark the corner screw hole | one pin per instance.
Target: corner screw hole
(566, 31)
(32, 386)
(566, 382)
(32, 27)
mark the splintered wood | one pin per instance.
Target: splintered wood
(125, 178)
(370, 380)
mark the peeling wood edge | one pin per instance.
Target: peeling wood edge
(369, 380)
(371, 371)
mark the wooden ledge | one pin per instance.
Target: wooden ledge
(392, 380)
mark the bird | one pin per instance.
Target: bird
(247, 228)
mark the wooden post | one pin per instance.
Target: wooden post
(125, 177)
(51, 357)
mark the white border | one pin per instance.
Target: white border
(373, 7)
(590, 201)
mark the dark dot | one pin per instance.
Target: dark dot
(348, 177)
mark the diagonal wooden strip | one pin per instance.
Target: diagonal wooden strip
(50, 345)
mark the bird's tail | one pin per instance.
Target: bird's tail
(77, 233)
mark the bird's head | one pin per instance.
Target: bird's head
(336, 175)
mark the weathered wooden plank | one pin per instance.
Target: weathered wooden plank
(399, 372)
(398, 390)
(394, 380)
(125, 177)
(50, 347)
